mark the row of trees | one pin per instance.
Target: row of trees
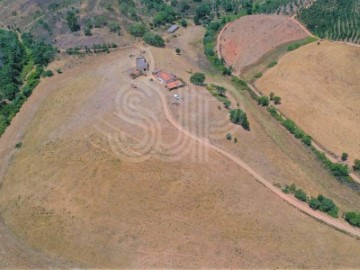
(320, 202)
(333, 19)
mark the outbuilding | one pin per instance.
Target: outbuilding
(173, 29)
(141, 64)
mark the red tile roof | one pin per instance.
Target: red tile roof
(174, 84)
(166, 77)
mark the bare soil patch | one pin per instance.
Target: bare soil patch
(320, 90)
(246, 40)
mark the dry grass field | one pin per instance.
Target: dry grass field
(244, 42)
(82, 187)
(320, 90)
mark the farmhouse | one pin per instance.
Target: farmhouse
(141, 64)
(173, 29)
(174, 85)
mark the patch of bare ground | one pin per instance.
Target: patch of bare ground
(74, 189)
(246, 40)
(320, 90)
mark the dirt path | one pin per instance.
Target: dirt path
(291, 200)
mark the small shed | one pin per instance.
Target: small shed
(173, 29)
(141, 64)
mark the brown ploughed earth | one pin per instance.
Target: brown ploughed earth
(320, 90)
(246, 40)
(104, 180)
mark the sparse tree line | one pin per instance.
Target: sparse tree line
(321, 203)
(95, 48)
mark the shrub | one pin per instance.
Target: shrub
(154, 40)
(114, 26)
(353, 218)
(301, 195)
(178, 51)
(228, 136)
(227, 103)
(183, 23)
(72, 21)
(325, 205)
(344, 156)
(137, 29)
(263, 101)
(198, 78)
(277, 100)
(238, 116)
(18, 145)
(356, 165)
(48, 73)
(272, 64)
(235, 140)
(258, 75)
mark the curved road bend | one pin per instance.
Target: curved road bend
(291, 200)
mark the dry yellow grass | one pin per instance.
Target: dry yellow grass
(320, 90)
(67, 193)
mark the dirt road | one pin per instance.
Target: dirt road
(291, 200)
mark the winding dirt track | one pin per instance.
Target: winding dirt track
(290, 200)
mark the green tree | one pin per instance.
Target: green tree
(154, 40)
(353, 218)
(277, 100)
(198, 78)
(356, 165)
(183, 23)
(227, 103)
(263, 101)
(137, 29)
(178, 51)
(301, 195)
(238, 116)
(72, 21)
(344, 156)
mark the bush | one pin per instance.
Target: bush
(353, 218)
(48, 73)
(72, 21)
(227, 103)
(178, 51)
(301, 195)
(154, 40)
(356, 165)
(137, 29)
(114, 26)
(277, 100)
(198, 78)
(183, 23)
(238, 116)
(263, 101)
(325, 205)
(344, 156)
(228, 136)
(258, 75)
(272, 64)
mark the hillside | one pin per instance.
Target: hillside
(103, 166)
(333, 19)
